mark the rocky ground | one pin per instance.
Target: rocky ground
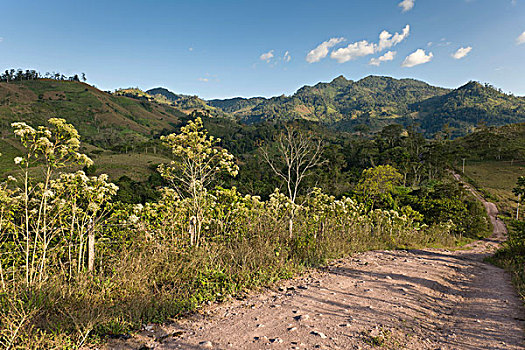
(417, 299)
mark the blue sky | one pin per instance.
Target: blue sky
(216, 49)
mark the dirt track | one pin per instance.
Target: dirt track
(418, 299)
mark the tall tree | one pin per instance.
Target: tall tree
(297, 153)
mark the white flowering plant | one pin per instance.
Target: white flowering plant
(52, 208)
(197, 161)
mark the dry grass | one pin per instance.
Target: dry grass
(153, 280)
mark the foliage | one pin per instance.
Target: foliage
(512, 255)
(519, 190)
(446, 201)
(12, 75)
(197, 161)
(470, 106)
(148, 267)
(377, 186)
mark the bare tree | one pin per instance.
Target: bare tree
(297, 154)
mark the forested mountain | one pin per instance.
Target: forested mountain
(237, 105)
(469, 106)
(374, 102)
(342, 99)
(186, 103)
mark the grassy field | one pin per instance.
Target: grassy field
(497, 178)
(137, 166)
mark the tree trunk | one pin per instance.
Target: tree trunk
(91, 249)
(192, 229)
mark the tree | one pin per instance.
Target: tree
(392, 134)
(297, 154)
(197, 161)
(377, 185)
(519, 191)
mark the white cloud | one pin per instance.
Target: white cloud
(287, 57)
(407, 5)
(387, 40)
(1, 39)
(416, 58)
(364, 48)
(521, 39)
(389, 56)
(266, 56)
(461, 52)
(204, 80)
(321, 51)
(353, 51)
(190, 49)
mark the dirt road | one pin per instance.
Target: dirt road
(418, 299)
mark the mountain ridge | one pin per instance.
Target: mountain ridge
(380, 100)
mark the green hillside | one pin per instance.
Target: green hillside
(104, 120)
(185, 103)
(338, 101)
(108, 124)
(375, 101)
(469, 106)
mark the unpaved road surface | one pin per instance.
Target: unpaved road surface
(417, 299)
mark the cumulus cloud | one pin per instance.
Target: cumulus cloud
(389, 56)
(407, 5)
(266, 56)
(521, 39)
(353, 51)
(416, 58)
(287, 57)
(461, 52)
(387, 40)
(321, 51)
(364, 48)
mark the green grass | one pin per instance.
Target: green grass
(497, 178)
(9, 152)
(137, 166)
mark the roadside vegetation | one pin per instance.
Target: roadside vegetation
(82, 259)
(512, 255)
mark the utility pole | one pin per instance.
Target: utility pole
(463, 165)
